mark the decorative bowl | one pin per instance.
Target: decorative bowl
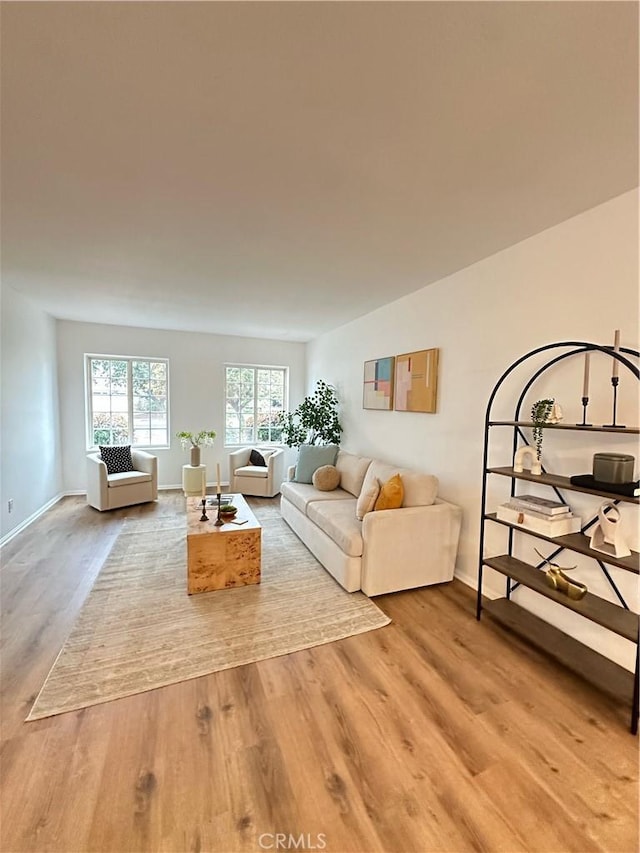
(228, 511)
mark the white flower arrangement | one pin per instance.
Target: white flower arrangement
(196, 439)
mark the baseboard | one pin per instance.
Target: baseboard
(23, 524)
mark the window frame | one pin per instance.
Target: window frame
(88, 358)
(285, 401)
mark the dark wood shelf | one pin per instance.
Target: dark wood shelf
(612, 616)
(560, 483)
(594, 428)
(579, 543)
(598, 670)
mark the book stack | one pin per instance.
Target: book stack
(540, 515)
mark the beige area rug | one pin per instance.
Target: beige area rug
(139, 630)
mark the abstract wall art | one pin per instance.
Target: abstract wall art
(416, 381)
(378, 384)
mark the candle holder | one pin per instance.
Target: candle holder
(585, 403)
(614, 425)
(219, 522)
(204, 516)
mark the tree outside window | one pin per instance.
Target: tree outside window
(254, 398)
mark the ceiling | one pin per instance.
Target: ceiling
(276, 169)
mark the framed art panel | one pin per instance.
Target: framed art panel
(416, 381)
(378, 384)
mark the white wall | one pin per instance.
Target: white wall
(196, 377)
(576, 281)
(30, 454)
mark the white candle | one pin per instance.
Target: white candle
(204, 486)
(616, 348)
(218, 475)
(585, 385)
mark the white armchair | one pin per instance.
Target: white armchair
(258, 480)
(110, 491)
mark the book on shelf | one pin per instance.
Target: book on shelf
(588, 481)
(543, 505)
(536, 522)
(561, 516)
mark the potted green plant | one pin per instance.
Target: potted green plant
(315, 421)
(540, 412)
(195, 440)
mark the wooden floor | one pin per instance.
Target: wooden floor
(433, 733)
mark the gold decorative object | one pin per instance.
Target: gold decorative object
(557, 580)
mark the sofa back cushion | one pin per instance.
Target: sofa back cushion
(352, 470)
(311, 457)
(419, 489)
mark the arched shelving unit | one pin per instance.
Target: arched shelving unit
(617, 618)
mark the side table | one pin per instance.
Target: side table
(194, 480)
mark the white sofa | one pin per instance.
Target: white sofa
(389, 550)
(110, 491)
(258, 480)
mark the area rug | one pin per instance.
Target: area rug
(139, 630)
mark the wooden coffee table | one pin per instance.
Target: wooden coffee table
(222, 557)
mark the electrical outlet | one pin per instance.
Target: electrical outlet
(10, 504)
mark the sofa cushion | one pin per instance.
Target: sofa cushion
(419, 489)
(338, 520)
(251, 471)
(352, 471)
(367, 498)
(117, 458)
(326, 478)
(302, 494)
(391, 494)
(311, 457)
(127, 478)
(256, 458)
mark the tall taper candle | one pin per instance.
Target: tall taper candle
(218, 475)
(585, 384)
(616, 348)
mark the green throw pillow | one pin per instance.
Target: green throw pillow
(311, 457)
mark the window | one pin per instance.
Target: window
(127, 401)
(254, 397)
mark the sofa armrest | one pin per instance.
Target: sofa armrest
(409, 547)
(291, 473)
(97, 484)
(275, 469)
(147, 463)
(238, 459)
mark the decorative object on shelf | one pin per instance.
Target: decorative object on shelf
(315, 421)
(377, 391)
(615, 379)
(556, 579)
(416, 381)
(519, 460)
(540, 414)
(613, 467)
(585, 390)
(607, 535)
(195, 440)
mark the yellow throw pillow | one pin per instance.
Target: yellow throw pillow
(391, 494)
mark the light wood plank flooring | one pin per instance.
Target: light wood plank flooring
(435, 733)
